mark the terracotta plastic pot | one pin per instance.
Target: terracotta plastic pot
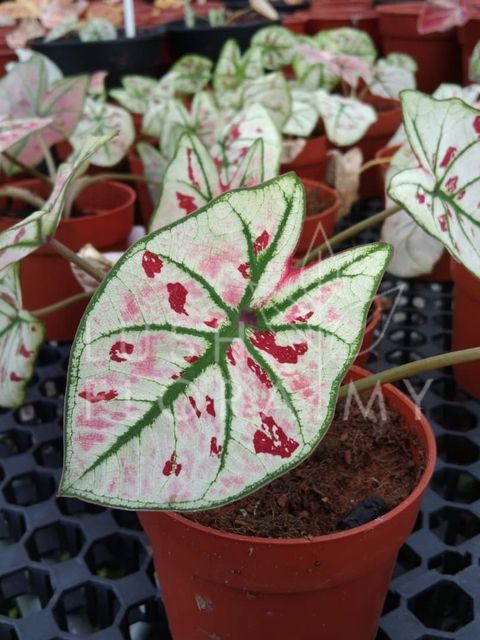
(46, 278)
(367, 342)
(437, 54)
(222, 585)
(144, 200)
(318, 227)
(468, 36)
(297, 22)
(312, 161)
(389, 119)
(466, 325)
(333, 16)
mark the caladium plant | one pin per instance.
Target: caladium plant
(243, 350)
(247, 154)
(474, 64)
(346, 120)
(26, 93)
(233, 70)
(13, 131)
(443, 191)
(442, 15)
(276, 45)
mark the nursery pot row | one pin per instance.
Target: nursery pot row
(233, 587)
(46, 278)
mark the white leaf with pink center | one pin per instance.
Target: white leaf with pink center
(136, 93)
(25, 93)
(442, 15)
(443, 192)
(272, 93)
(389, 80)
(26, 236)
(346, 120)
(20, 338)
(205, 366)
(232, 70)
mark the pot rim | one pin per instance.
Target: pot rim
(430, 450)
(127, 190)
(144, 34)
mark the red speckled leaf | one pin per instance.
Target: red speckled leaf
(194, 379)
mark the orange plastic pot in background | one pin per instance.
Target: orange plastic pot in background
(332, 587)
(46, 278)
(468, 36)
(466, 325)
(318, 227)
(333, 16)
(437, 54)
(297, 22)
(312, 161)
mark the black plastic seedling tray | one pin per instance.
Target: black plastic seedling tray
(72, 570)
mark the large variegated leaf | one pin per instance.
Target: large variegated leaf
(389, 80)
(474, 64)
(102, 119)
(346, 67)
(272, 92)
(203, 368)
(277, 46)
(27, 235)
(24, 93)
(154, 167)
(442, 15)
(443, 192)
(240, 134)
(304, 116)
(14, 130)
(346, 120)
(415, 253)
(20, 338)
(352, 42)
(136, 93)
(191, 73)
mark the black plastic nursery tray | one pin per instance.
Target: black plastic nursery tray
(72, 570)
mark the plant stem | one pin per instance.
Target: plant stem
(52, 171)
(352, 231)
(24, 167)
(23, 194)
(71, 256)
(375, 162)
(45, 311)
(413, 368)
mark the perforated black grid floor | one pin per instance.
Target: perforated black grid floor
(71, 570)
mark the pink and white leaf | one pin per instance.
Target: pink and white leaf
(100, 118)
(191, 180)
(13, 131)
(28, 29)
(443, 192)
(347, 67)
(21, 336)
(442, 15)
(348, 41)
(273, 93)
(389, 80)
(136, 93)
(154, 168)
(26, 236)
(277, 46)
(191, 74)
(103, 262)
(346, 120)
(205, 367)
(304, 116)
(343, 174)
(245, 128)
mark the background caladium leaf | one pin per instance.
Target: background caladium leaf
(61, 30)
(21, 336)
(443, 192)
(24, 93)
(136, 93)
(352, 42)
(191, 73)
(304, 116)
(102, 261)
(96, 30)
(272, 92)
(311, 75)
(103, 119)
(343, 173)
(27, 29)
(27, 235)
(232, 69)
(96, 87)
(240, 134)
(346, 120)
(203, 368)
(402, 61)
(442, 15)
(277, 46)
(12, 131)
(389, 80)
(349, 68)
(474, 64)
(154, 167)
(415, 252)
